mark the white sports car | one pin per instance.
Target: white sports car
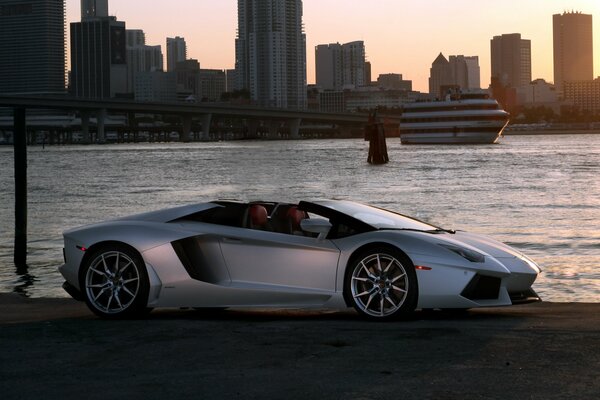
(324, 254)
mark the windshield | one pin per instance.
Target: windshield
(376, 217)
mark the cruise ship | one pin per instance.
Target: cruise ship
(464, 119)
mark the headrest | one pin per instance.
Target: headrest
(258, 215)
(295, 215)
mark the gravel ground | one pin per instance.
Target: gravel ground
(55, 348)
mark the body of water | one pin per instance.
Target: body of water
(540, 194)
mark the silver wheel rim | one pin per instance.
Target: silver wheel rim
(112, 282)
(379, 285)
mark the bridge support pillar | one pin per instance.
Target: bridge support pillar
(20, 160)
(273, 126)
(345, 131)
(206, 119)
(85, 127)
(100, 120)
(295, 128)
(186, 121)
(252, 128)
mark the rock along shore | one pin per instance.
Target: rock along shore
(55, 348)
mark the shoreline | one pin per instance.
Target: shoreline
(56, 348)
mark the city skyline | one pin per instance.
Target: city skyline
(391, 43)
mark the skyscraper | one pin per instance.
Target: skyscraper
(354, 63)
(32, 46)
(340, 65)
(94, 8)
(270, 51)
(328, 66)
(460, 72)
(176, 52)
(439, 75)
(98, 53)
(141, 57)
(511, 60)
(573, 48)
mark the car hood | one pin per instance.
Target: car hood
(486, 244)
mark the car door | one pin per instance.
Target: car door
(278, 262)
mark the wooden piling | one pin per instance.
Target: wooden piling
(20, 149)
(375, 134)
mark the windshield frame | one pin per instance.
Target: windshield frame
(369, 215)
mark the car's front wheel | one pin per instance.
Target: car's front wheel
(382, 284)
(115, 282)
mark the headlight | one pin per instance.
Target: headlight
(470, 255)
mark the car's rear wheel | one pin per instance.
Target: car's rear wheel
(115, 282)
(382, 284)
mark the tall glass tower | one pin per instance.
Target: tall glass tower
(32, 46)
(270, 51)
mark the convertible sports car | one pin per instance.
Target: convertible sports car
(324, 254)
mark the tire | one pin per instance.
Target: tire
(115, 282)
(381, 284)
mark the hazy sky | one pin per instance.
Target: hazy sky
(400, 36)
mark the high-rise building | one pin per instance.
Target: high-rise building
(340, 66)
(94, 8)
(98, 53)
(176, 52)
(393, 82)
(135, 37)
(141, 57)
(328, 66)
(32, 46)
(573, 48)
(270, 51)
(465, 72)
(439, 75)
(511, 60)
(459, 72)
(354, 63)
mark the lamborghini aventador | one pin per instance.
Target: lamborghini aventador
(323, 254)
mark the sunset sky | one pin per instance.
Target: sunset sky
(400, 36)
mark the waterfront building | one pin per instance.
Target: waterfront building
(187, 77)
(328, 66)
(368, 77)
(341, 66)
(155, 86)
(176, 52)
(98, 53)
(353, 65)
(135, 37)
(439, 75)
(371, 98)
(459, 72)
(465, 72)
(32, 47)
(393, 82)
(94, 8)
(573, 48)
(332, 101)
(211, 84)
(270, 52)
(229, 80)
(539, 92)
(141, 57)
(584, 95)
(511, 60)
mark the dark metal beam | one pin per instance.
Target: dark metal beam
(20, 147)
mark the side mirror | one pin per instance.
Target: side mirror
(318, 225)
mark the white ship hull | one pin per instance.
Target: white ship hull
(453, 122)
